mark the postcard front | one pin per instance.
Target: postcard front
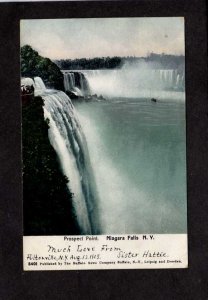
(104, 145)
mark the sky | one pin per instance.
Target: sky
(102, 37)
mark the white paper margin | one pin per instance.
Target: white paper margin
(133, 251)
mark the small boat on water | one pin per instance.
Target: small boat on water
(153, 99)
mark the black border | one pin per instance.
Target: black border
(165, 284)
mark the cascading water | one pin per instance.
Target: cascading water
(76, 83)
(67, 138)
(136, 82)
(39, 84)
(136, 151)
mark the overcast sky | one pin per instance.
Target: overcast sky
(76, 38)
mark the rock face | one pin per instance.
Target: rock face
(27, 94)
(32, 65)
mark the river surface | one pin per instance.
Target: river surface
(137, 151)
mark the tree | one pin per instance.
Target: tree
(32, 64)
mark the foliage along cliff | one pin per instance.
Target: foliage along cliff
(32, 64)
(47, 202)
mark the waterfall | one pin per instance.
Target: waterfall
(171, 79)
(129, 81)
(26, 81)
(117, 173)
(39, 84)
(68, 140)
(69, 81)
(135, 82)
(75, 82)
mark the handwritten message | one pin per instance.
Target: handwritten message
(146, 251)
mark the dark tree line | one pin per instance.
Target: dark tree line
(89, 63)
(165, 61)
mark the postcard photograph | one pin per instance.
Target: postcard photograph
(103, 126)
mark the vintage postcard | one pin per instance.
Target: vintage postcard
(104, 143)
